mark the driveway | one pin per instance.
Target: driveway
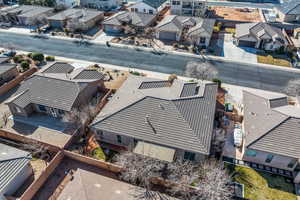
(233, 52)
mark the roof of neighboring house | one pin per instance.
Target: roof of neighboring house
(58, 67)
(206, 25)
(153, 3)
(4, 59)
(134, 18)
(290, 7)
(12, 162)
(84, 15)
(180, 115)
(174, 23)
(271, 125)
(260, 30)
(56, 90)
(26, 10)
(4, 67)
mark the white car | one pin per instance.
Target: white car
(237, 136)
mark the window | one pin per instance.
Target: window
(251, 153)
(144, 10)
(61, 112)
(151, 12)
(292, 163)
(119, 138)
(202, 40)
(269, 158)
(175, 2)
(189, 156)
(42, 108)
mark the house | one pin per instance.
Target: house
(160, 119)
(289, 11)
(101, 4)
(116, 23)
(8, 72)
(188, 7)
(88, 18)
(152, 7)
(260, 35)
(15, 168)
(55, 90)
(25, 14)
(68, 3)
(271, 128)
(177, 28)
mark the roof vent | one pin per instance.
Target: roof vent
(161, 106)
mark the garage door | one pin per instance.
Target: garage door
(244, 43)
(167, 35)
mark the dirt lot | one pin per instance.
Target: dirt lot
(236, 14)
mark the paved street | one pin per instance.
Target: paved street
(230, 72)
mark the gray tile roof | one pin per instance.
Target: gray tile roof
(206, 25)
(260, 30)
(4, 59)
(56, 90)
(154, 84)
(154, 3)
(159, 115)
(84, 15)
(58, 67)
(87, 74)
(4, 67)
(271, 129)
(12, 161)
(291, 7)
(26, 10)
(134, 18)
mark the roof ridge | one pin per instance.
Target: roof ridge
(254, 141)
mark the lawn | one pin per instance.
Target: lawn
(272, 60)
(262, 186)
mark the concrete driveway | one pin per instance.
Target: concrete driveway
(233, 52)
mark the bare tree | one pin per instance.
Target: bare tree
(185, 179)
(202, 71)
(4, 118)
(293, 88)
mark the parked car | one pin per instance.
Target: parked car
(237, 135)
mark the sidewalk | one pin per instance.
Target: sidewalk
(147, 49)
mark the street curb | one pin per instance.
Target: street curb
(147, 49)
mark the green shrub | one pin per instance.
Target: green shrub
(37, 57)
(98, 154)
(50, 58)
(218, 81)
(135, 73)
(25, 66)
(29, 55)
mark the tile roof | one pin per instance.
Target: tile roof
(84, 15)
(56, 90)
(160, 115)
(58, 67)
(174, 23)
(153, 3)
(206, 25)
(291, 7)
(12, 162)
(271, 125)
(26, 10)
(4, 67)
(134, 18)
(259, 31)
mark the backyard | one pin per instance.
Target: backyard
(262, 186)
